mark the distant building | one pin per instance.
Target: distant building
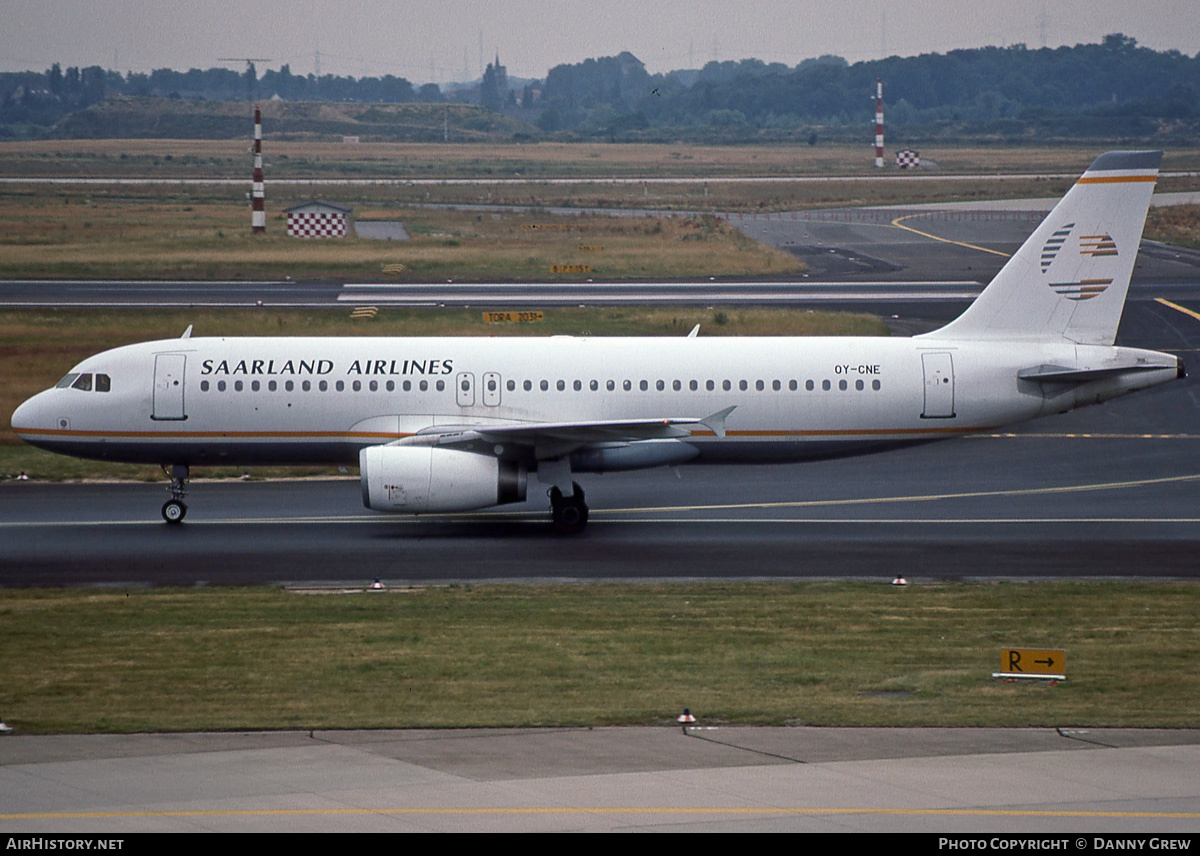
(317, 219)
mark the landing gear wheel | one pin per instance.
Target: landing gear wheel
(570, 513)
(173, 511)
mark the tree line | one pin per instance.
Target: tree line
(1114, 88)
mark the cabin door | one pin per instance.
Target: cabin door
(491, 389)
(169, 386)
(939, 386)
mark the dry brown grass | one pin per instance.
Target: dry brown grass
(197, 233)
(229, 158)
(1177, 224)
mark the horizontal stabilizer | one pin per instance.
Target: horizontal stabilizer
(1066, 374)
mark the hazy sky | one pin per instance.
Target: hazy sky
(442, 41)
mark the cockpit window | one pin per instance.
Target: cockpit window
(84, 382)
(66, 382)
(103, 384)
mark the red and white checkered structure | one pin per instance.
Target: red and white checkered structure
(258, 211)
(317, 219)
(317, 225)
(879, 122)
(908, 159)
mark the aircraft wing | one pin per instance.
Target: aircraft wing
(556, 438)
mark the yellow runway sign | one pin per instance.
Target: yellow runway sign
(1033, 663)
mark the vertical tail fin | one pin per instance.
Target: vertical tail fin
(1068, 281)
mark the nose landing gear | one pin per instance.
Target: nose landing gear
(174, 509)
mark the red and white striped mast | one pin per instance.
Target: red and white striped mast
(879, 122)
(258, 213)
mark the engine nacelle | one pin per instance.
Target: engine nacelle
(419, 479)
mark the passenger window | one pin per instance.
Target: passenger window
(792, 385)
(323, 385)
(842, 385)
(643, 386)
(512, 385)
(528, 385)
(423, 386)
(356, 385)
(491, 385)
(709, 385)
(272, 385)
(407, 385)
(237, 386)
(875, 385)
(776, 385)
(676, 385)
(441, 386)
(391, 385)
(808, 384)
(103, 384)
(306, 385)
(373, 386)
(290, 385)
(561, 385)
(84, 382)
(340, 386)
(693, 386)
(220, 386)
(627, 385)
(578, 385)
(758, 384)
(742, 385)
(610, 386)
(858, 384)
(545, 385)
(204, 386)
(826, 385)
(726, 385)
(255, 386)
(594, 385)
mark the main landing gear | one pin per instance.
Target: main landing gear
(174, 509)
(570, 513)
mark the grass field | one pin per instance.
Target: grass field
(804, 653)
(287, 159)
(167, 231)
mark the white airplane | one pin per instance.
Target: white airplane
(454, 424)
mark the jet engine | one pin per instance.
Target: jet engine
(420, 479)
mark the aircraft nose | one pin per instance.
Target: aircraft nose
(30, 416)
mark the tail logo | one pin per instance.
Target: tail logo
(1054, 244)
(1097, 245)
(1083, 289)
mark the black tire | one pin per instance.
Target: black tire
(570, 516)
(173, 511)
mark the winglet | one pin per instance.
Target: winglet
(716, 421)
(695, 331)
(187, 334)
